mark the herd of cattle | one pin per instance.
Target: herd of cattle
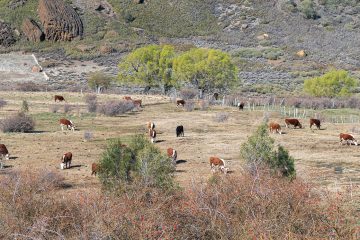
(215, 162)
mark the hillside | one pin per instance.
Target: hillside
(263, 36)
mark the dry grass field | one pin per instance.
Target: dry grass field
(317, 152)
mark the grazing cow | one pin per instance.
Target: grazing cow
(127, 98)
(315, 122)
(348, 138)
(137, 102)
(59, 98)
(150, 125)
(275, 127)
(172, 154)
(180, 131)
(180, 102)
(218, 162)
(94, 168)
(4, 153)
(66, 159)
(68, 123)
(241, 106)
(152, 134)
(216, 96)
(292, 121)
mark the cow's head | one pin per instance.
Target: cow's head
(300, 126)
(355, 142)
(7, 156)
(224, 169)
(72, 126)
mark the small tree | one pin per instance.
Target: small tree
(20, 122)
(284, 162)
(336, 83)
(308, 9)
(99, 81)
(24, 106)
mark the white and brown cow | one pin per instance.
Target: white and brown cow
(152, 135)
(274, 127)
(180, 102)
(68, 123)
(348, 138)
(292, 121)
(127, 98)
(172, 154)
(94, 168)
(4, 153)
(66, 159)
(315, 122)
(218, 162)
(150, 125)
(137, 103)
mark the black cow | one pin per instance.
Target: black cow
(179, 131)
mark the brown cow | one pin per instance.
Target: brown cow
(152, 134)
(4, 153)
(59, 98)
(68, 123)
(315, 122)
(348, 138)
(137, 102)
(292, 121)
(150, 125)
(66, 158)
(127, 98)
(180, 102)
(172, 154)
(94, 168)
(241, 106)
(218, 162)
(274, 127)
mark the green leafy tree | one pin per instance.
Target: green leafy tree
(206, 69)
(99, 81)
(336, 83)
(150, 66)
(258, 151)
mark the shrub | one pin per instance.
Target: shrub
(54, 108)
(91, 101)
(30, 87)
(221, 117)
(99, 81)
(88, 136)
(2, 103)
(308, 9)
(336, 83)
(113, 108)
(284, 163)
(67, 108)
(17, 123)
(188, 93)
(189, 106)
(24, 106)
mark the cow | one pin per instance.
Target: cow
(137, 102)
(348, 138)
(292, 121)
(180, 102)
(66, 159)
(241, 106)
(315, 122)
(150, 125)
(68, 123)
(218, 162)
(94, 168)
(216, 96)
(152, 134)
(127, 98)
(4, 153)
(180, 131)
(59, 98)
(172, 154)
(274, 127)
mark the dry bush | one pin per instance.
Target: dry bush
(113, 108)
(88, 136)
(29, 87)
(189, 106)
(53, 108)
(67, 108)
(91, 101)
(2, 103)
(188, 93)
(20, 122)
(221, 117)
(204, 105)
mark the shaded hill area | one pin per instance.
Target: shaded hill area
(263, 36)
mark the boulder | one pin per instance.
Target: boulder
(105, 49)
(301, 53)
(35, 69)
(60, 21)
(7, 37)
(32, 30)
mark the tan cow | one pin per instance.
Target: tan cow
(218, 162)
(94, 168)
(274, 127)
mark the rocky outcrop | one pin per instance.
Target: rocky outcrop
(60, 20)
(16, 3)
(7, 37)
(32, 30)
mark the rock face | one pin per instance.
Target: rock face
(60, 21)
(7, 37)
(32, 30)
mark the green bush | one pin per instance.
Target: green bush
(258, 151)
(308, 9)
(140, 163)
(336, 83)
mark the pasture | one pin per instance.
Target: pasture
(318, 156)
